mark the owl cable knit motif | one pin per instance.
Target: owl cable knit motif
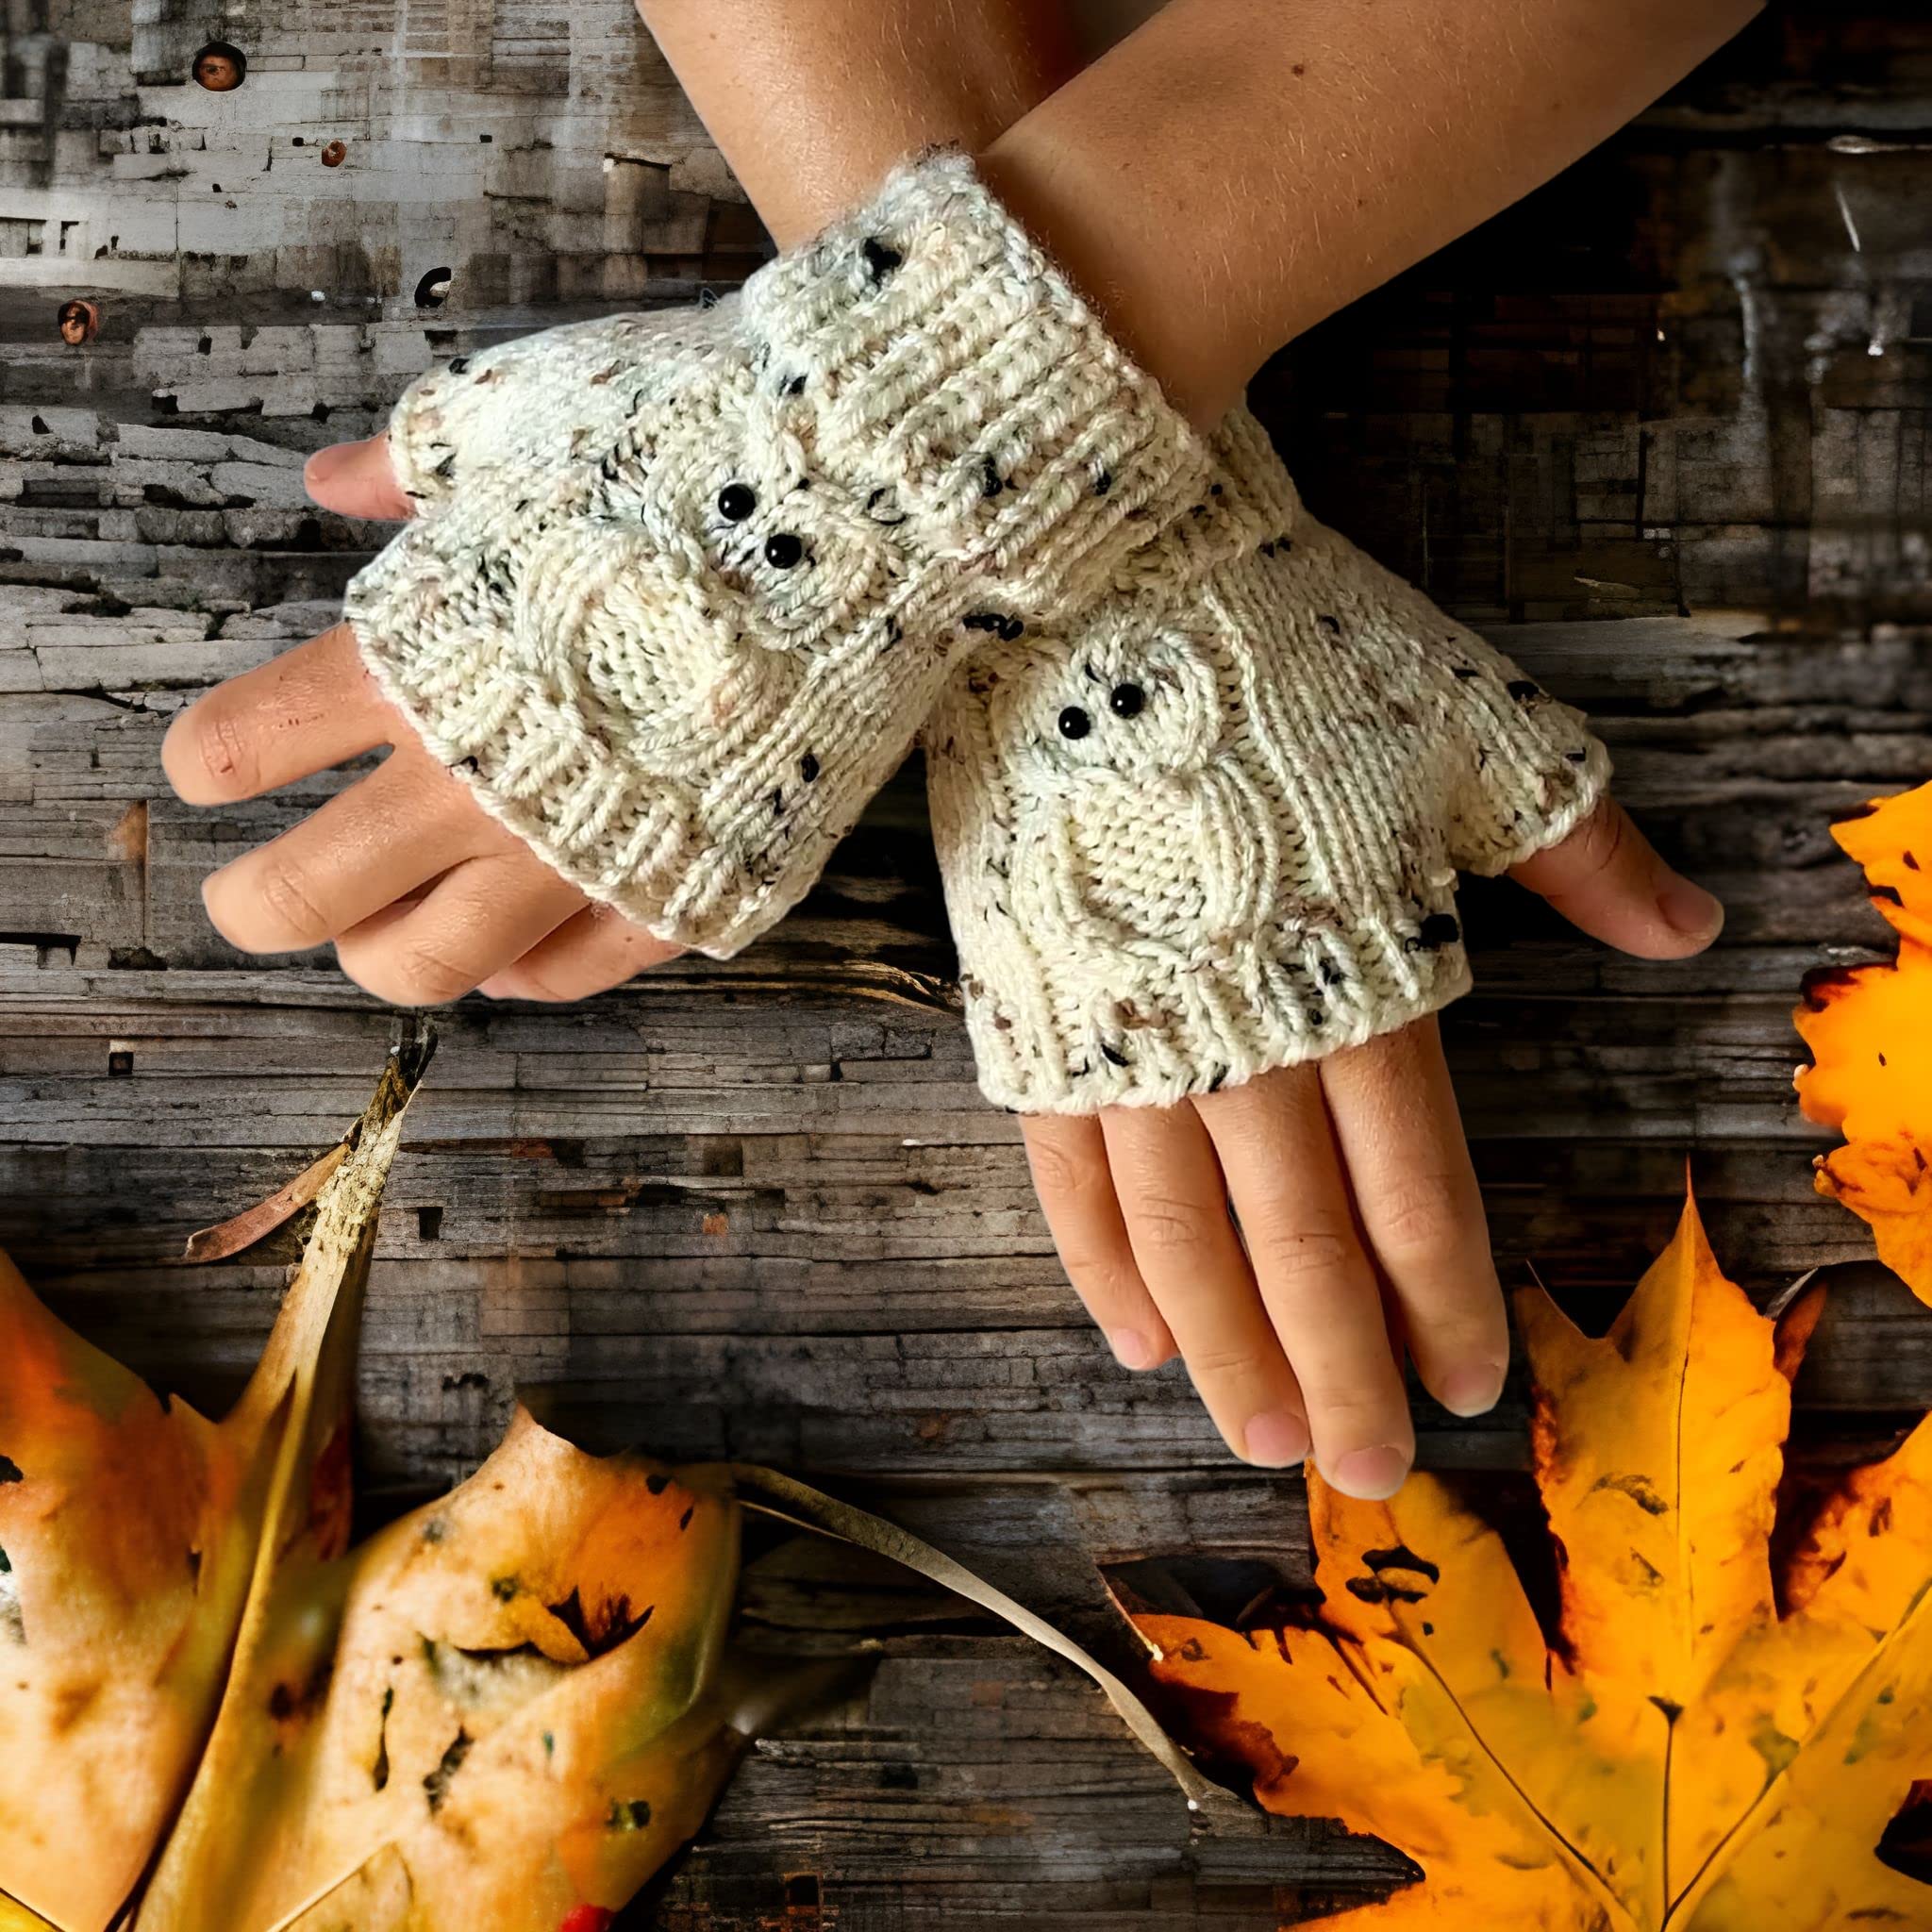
(1213, 825)
(684, 587)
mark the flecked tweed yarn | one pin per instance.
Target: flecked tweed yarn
(1213, 825)
(683, 587)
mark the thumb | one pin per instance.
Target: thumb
(356, 480)
(1607, 879)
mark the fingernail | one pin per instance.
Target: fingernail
(1370, 1474)
(1131, 1349)
(1472, 1391)
(325, 463)
(1276, 1439)
(1690, 910)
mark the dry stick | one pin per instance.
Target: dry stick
(804, 1508)
(244, 1229)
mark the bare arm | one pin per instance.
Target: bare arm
(813, 103)
(1228, 175)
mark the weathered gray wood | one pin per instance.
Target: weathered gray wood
(759, 1209)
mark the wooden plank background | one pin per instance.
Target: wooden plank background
(1663, 429)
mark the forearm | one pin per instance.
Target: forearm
(1224, 178)
(813, 103)
(1239, 169)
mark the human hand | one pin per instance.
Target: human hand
(687, 583)
(1292, 1236)
(422, 893)
(1200, 853)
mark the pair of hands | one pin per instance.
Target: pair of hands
(1288, 1238)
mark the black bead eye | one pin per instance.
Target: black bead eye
(1127, 700)
(1074, 722)
(783, 551)
(736, 501)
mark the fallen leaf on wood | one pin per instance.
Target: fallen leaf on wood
(790, 1501)
(503, 1708)
(501, 1713)
(134, 1533)
(1678, 1754)
(243, 1230)
(1869, 1029)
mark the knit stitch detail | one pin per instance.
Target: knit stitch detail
(684, 588)
(1213, 826)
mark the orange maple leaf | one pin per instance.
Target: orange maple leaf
(1870, 1032)
(1680, 1755)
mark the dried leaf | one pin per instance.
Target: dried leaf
(239, 1231)
(1870, 1033)
(1681, 1758)
(503, 1708)
(500, 1714)
(133, 1531)
(790, 1501)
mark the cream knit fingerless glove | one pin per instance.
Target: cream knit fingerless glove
(1214, 825)
(685, 585)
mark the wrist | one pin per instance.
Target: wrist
(1111, 246)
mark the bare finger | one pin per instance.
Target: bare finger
(356, 480)
(1067, 1155)
(588, 953)
(385, 836)
(1607, 879)
(1284, 1175)
(1174, 1201)
(475, 919)
(314, 706)
(1415, 1190)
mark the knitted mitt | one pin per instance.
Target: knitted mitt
(1214, 825)
(685, 585)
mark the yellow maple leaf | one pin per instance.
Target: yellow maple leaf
(1680, 1755)
(1870, 1033)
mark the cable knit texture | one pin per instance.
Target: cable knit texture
(1213, 825)
(684, 586)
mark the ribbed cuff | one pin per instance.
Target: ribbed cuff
(1074, 1042)
(954, 364)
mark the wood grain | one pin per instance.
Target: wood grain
(1661, 430)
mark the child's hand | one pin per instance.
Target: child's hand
(422, 893)
(1200, 854)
